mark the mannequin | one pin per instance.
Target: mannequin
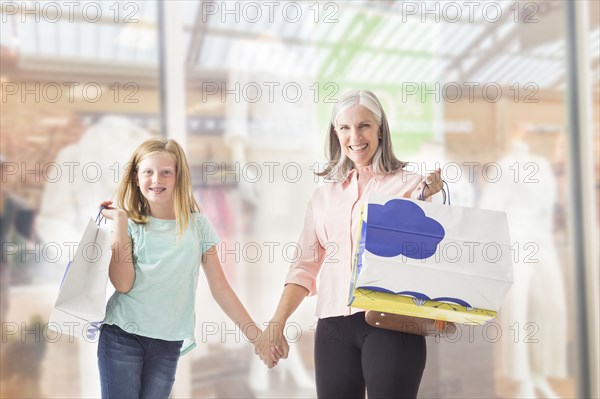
(534, 313)
(67, 205)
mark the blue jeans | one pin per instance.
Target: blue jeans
(132, 366)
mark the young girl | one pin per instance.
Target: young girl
(159, 239)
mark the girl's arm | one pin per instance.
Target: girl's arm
(226, 297)
(120, 271)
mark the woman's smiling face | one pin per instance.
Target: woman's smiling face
(358, 133)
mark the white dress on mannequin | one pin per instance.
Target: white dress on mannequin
(97, 162)
(533, 317)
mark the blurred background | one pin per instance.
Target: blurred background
(502, 95)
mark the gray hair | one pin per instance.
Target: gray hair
(384, 161)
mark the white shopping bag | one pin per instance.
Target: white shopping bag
(81, 303)
(431, 260)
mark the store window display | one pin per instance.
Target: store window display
(68, 203)
(533, 319)
(19, 368)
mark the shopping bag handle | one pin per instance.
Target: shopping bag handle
(445, 192)
(99, 218)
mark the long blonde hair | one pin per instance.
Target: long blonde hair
(130, 198)
(384, 160)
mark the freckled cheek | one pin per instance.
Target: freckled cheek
(170, 184)
(145, 184)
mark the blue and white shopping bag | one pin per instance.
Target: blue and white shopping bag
(431, 260)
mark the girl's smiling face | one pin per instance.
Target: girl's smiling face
(358, 133)
(156, 178)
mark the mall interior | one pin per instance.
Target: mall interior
(503, 96)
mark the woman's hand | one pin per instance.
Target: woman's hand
(112, 213)
(272, 344)
(433, 183)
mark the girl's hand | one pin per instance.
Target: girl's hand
(433, 183)
(272, 344)
(111, 212)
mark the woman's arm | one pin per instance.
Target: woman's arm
(292, 296)
(226, 297)
(272, 344)
(121, 271)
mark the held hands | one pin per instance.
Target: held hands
(272, 345)
(433, 183)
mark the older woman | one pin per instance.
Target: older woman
(350, 355)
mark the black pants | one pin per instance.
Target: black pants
(350, 354)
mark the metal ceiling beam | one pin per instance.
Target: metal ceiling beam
(322, 44)
(490, 30)
(561, 78)
(339, 59)
(198, 34)
(361, 47)
(388, 9)
(487, 55)
(76, 16)
(50, 69)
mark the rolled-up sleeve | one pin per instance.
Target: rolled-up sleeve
(310, 256)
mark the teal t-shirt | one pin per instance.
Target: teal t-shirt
(161, 302)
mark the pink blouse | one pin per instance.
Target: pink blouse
(327, 241)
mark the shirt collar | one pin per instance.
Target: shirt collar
(365, 169)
